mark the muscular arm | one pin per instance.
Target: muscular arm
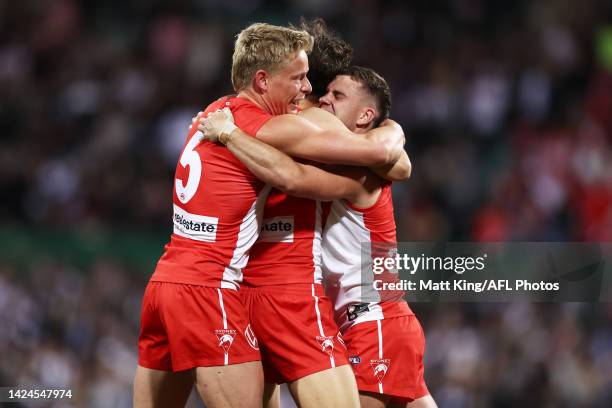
(281, 171)
(298, 137)
(397, 171)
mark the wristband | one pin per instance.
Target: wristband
(225, 134)
(229, 126)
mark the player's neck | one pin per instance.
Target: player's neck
(263, 102)
(257, 99)
(252, 96)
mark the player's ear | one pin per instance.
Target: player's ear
(366, 117)
(260, 82)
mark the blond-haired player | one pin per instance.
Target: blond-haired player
(194, 326)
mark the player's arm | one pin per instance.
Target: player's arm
(397, 171)
(274, 167)
(298, 137)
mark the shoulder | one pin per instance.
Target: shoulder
(371, 191)
(289, 127)
(322, 118)
(248, 116)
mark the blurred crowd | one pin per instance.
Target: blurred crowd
(68, 328)
(507, 108)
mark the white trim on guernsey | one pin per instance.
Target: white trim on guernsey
(317, 251)
(249, 232)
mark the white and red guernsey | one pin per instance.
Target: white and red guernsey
(289, 248)
(352, 238)
(217, 208)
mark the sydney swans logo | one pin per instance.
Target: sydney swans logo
(380, 368)
(226, 338)
(327, 344)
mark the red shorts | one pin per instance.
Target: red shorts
(296, 330)
(387, 356)
(187, 326)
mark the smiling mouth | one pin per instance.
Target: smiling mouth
(295, 104)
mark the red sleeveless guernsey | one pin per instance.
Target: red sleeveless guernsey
(288, 250)
(217, 207)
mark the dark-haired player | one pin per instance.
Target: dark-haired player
(382, 335)
(194, 324)
(284, 276)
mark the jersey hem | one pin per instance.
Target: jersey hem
(195, 282)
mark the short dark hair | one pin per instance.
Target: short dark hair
(330, 55)
(375, 85)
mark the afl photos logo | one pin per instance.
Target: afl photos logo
(380, 368)
(226, 338)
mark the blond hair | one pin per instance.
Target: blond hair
(267, 47)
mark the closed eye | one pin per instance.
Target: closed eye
(299, 77)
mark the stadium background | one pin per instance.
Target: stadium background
(507, 107)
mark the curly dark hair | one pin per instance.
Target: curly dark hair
(330, 55)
